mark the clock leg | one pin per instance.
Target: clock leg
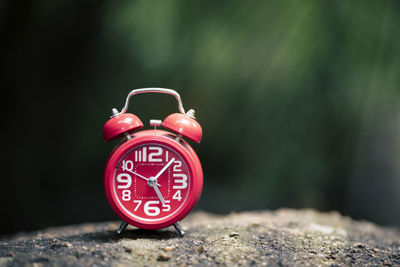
(178, 228)
(122, 227)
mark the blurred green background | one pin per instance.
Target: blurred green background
(298, 100)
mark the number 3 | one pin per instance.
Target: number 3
(182, 181)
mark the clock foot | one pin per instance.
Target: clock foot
(122, 227)
(178, 228)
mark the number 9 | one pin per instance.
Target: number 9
(124, 178)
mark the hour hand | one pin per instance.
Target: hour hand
(163, 169)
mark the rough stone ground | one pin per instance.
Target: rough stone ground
(283, 237)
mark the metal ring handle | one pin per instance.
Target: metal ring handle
(153, 90)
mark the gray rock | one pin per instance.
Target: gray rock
(284, 237)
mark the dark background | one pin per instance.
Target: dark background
(298, 100)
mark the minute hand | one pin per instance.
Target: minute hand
(163, 169)
(138, 175)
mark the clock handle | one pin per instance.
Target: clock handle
(152, 90)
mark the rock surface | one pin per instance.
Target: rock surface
(283, 237)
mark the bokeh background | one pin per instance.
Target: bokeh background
(298, 100)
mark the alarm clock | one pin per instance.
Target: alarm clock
(153, 178)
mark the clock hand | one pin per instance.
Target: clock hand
(152, 182)
(155, 187)
(140, 176)
(163, 169)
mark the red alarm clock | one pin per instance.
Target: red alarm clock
(153, 178)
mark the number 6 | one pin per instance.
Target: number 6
(151, 211)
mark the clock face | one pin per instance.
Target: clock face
(151, 183)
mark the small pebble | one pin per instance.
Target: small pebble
(169, 248)
(359, 245)
(233, 234)
(127, 250)
(200, 249)
(163, 257)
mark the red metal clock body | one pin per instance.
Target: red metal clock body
(153, 178)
